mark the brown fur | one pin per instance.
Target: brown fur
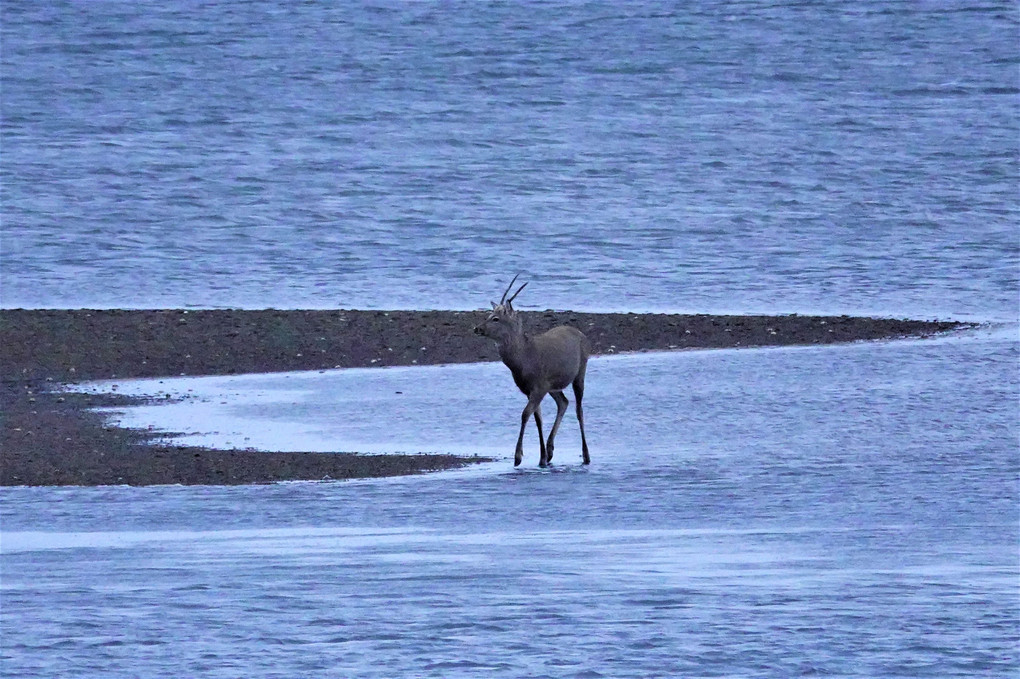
(540, 365)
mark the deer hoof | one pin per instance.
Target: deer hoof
(517, 462)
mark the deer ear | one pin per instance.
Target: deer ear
(493, 304)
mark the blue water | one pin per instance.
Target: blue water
(842, 511)
(750, 157)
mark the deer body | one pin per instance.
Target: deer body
(540, 365)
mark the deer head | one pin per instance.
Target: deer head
(502, 322)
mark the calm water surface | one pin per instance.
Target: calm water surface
(726, 157)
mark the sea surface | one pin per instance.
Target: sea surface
(857, 158)
(845, 510)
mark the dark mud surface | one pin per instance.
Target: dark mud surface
(52, 438)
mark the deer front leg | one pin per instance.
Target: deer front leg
(534, 400)
(561, 408)
(543, 451)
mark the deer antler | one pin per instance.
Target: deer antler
(509, 302)
(503, 298)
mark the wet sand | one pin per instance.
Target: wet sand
(50, 438)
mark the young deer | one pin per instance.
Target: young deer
(544, 364)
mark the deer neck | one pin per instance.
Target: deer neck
(514, 351)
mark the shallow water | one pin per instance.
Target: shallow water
(718, 158)
(844, 510)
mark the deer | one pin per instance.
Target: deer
(540, 365)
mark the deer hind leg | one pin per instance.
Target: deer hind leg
(561, 409)
(578, 395)
(534, 402)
